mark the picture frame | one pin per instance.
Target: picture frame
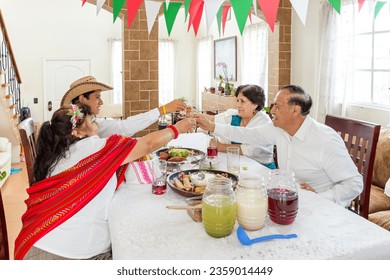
(225, 50)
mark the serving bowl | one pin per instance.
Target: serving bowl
(171, 178)
(173, 166)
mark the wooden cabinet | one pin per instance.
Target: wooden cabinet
(217, 103)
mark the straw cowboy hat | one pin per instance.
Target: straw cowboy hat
(81, 86)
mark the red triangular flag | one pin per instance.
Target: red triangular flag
(193, 11)
(197, 18)
(270, 9)
(361, 2)
(132, 8)
(225, 12)
(82, 4)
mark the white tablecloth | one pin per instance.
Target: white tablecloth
(143, 228)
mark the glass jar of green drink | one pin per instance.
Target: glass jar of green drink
(219, 207)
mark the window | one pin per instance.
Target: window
(116, 70)
(204, 66)
(371, 44)
(166, 70)
(255, 55)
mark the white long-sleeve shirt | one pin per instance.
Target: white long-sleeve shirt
(316, 154)
(86, 233)
(262, 154)
(129, 126)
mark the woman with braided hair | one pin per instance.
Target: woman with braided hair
(76, 175)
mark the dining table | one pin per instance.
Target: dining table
(143, 228)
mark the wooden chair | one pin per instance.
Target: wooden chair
(29, 144)
(275, 147)
(360, 139)
(4, 249)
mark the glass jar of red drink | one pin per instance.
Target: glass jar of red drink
(282, 196)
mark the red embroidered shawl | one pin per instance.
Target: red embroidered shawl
(55, 199)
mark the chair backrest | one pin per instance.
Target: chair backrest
(29, 144)
(361, 139)
(4, 249)
(275, 147)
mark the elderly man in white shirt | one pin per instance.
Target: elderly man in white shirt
(313, 151)
(88, 91)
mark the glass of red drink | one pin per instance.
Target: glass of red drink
(159, 173)
(282, 197)
(212, 150)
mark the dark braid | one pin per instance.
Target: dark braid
(54, 140)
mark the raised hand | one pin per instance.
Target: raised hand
(175, 105)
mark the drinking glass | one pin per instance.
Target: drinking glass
(159, 172)
(282, 196)
(212, 150)
(233, 159)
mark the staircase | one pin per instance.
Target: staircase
(9, 93)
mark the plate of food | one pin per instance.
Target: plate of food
(190, 183)
(180, 155)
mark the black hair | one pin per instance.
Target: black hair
(299, 97)
(254, 93)
(86, 95)
(54, 139)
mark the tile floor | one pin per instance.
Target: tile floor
(14, 194)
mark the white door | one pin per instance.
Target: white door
(58, 75)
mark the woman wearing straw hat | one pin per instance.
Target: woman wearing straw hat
(76, 175)
(87, 90)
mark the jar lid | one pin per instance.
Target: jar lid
(251, 181)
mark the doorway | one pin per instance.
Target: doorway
(58, 74)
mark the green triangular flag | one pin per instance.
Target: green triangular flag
(170, 14)
(241, 10)
(186, 8)
(378, 7)
(118, 4)
(219, 19)
(336, 5)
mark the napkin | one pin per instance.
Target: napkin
(139, 172)
(387, 187)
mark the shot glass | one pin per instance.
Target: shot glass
(159, 184)
(233, 159)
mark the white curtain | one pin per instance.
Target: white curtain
(336, 59)
(204, 67)
(254, 68)
(166, 70)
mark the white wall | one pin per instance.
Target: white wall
(304, 57)
(40, 29)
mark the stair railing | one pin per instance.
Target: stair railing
(9, 70)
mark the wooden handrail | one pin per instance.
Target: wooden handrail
(8, 42)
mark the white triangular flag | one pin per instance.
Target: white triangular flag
(255, 6)
(99, 5)
(300, 7)
(371, 6)
(152, 8)
(211, 8)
